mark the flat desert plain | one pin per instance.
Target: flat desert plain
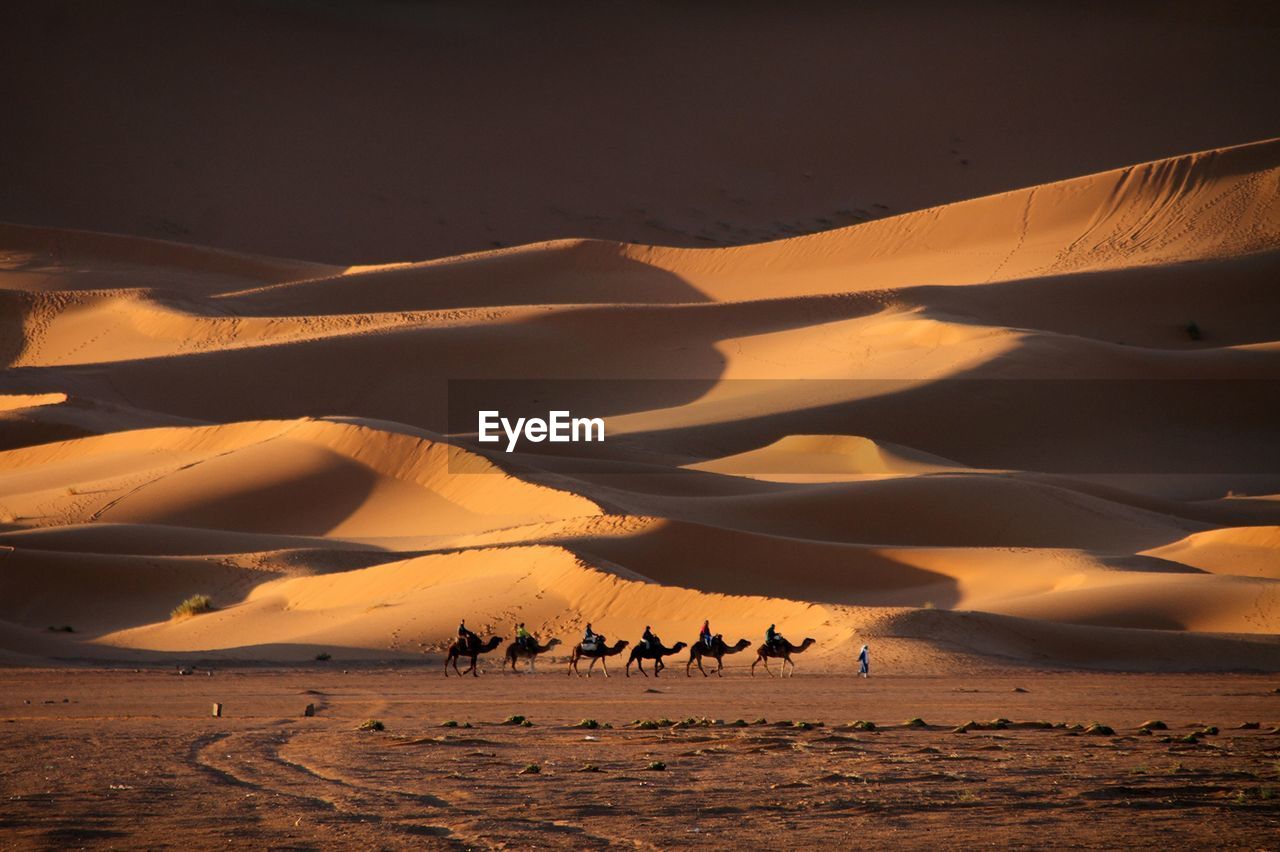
(121, 758)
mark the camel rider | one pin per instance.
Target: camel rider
(772, 637)
(468, 638)
(705, 634)
(650, 641)
(522, 637)
(590, 638)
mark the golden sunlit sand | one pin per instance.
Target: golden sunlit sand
(1022, 443)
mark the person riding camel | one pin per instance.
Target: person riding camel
(649, 639)
(592, 639)
(522, 637)
(705, 634)
(772, 637)
(468, 638)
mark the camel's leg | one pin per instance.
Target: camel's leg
(474, 671)
(455, 667)
(765, 660)
(593, 665)
(446, 666)
(658, 666)
(573, 665)
(753, 666)
(719, 666)
(604, 666)
(532, 660)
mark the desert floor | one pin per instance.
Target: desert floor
(133, 758)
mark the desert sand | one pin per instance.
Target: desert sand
(977, 376)
(980, 434)
(135, 759)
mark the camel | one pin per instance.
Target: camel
(599, 653)
(515, 651)
(640, 653)
(784, 649)
(716, 652)
(461, 648)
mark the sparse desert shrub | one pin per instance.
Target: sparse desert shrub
(531, 769)
(763, 721)
(802, 725)
(917, 722)
(515, 719)
(372, 725)
(449, 723)
(590, 724)
(862, 725)
(1208, 731)
(66, 628)
(1193, 330)
(589, 767)
(738, 723)
(656, 766)
(1098, 729)
(1154, 725)
(194, 605)
(324, 655)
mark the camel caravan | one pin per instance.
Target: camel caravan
(595, 648)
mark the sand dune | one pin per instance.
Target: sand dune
(999, 428)
(1244, 551)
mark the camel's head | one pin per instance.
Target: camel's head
(553, 643)
(680, 646)
(809, 640)
(741, 643)
(622, 643)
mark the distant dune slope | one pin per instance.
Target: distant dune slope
(1036, 428)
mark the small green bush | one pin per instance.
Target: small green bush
(531, 769)
(372, 725)
(515, 719)
(590, 724)
(324, 655)
(194, 605)
(657, 766)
